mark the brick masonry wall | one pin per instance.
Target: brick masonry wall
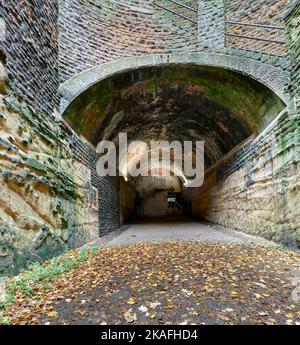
(92, 32)
(127, 200)
(293, 35)
(51, 196)
(108, 187)
(268, 12)
(31, 49)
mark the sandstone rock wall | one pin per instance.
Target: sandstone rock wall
(92, 32)
(51, 196)
(47, 201)
(257, 190)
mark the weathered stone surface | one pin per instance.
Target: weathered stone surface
(293, 33)
(47, 201)
(152, 200)
(257, 190)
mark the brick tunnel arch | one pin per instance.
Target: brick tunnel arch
(185, 102)
(275, 78)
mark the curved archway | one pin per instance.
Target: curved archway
(272, 77)
(174, 102)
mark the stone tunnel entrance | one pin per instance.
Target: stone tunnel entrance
(171, 103)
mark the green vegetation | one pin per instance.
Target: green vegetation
(86, 110)
(40, 274)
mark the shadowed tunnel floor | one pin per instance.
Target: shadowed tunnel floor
(176, 228)
(223, 278)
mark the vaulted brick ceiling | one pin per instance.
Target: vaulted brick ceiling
(170, 103)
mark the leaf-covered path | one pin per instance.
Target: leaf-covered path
(169, 283)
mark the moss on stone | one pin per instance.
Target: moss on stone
(245, 98)
(83, 118)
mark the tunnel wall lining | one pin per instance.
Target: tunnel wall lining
(32, 141)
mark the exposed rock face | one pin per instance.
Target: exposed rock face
(258, 190)
(47, 202)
